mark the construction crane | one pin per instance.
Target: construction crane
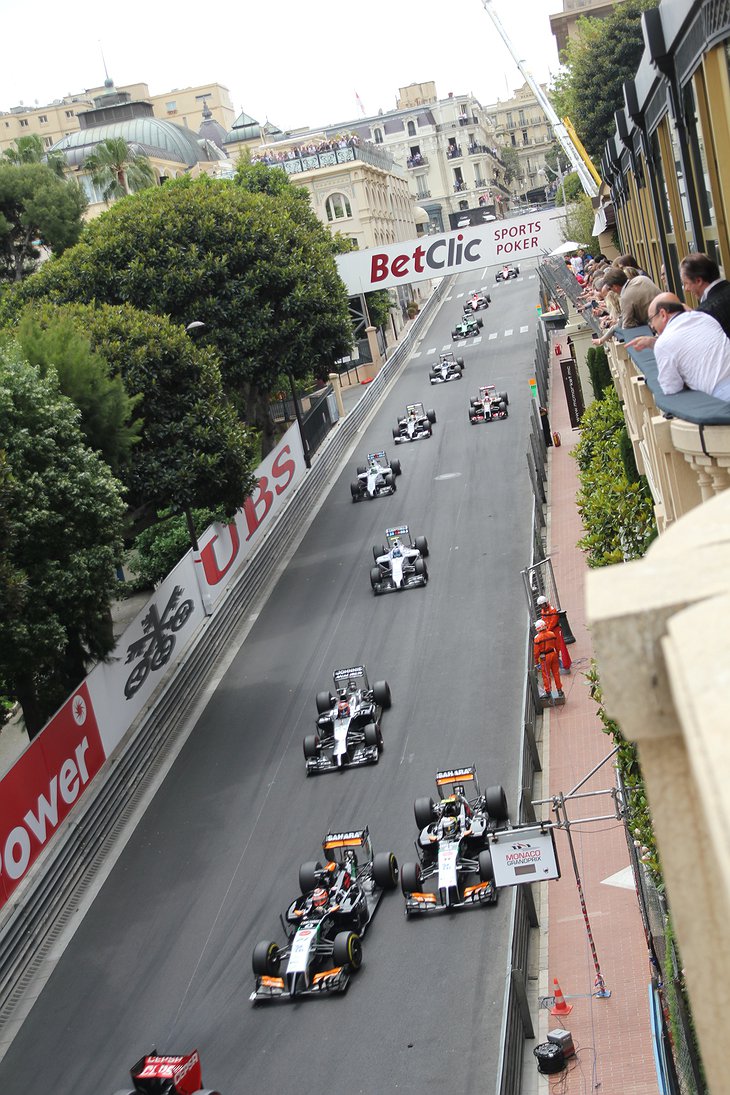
(576, 161)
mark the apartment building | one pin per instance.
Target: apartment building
(563, 24)
(521, 123)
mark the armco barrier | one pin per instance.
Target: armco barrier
(50, 895)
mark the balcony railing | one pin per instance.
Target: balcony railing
(417, 161)
(453, 152)
(314, 160)
(423, 194)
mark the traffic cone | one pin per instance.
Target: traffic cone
(560, 1007)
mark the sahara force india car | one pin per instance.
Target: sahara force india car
(507, 272)
(161, 1075)
(488, 405)
(446, 368)
(415, 424)
(325, 924)
(376, 478)
(399, 563)
(453, 845)
(468, 326)
(348, 726)
(476, 300)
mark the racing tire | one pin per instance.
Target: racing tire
(486, 867)
(361, 469)
(422, 545)
(432, 376)
(496, 802)
(385, 870)
(311, 746)
(431, 416)
(355, 491)
(480, 323)
(411, 878)
(455, 335)
(375, 577)
(347, 950)
(489, 299)
(265, 959)
(324, 702)
(473, 419)
(473, 402)
(389, 479)
(396, 434)
(381, 694)
(421, 570)
(460, 362)
(378, 551)
(517, 270)
(424, 812)
(504, 397)
(370, 733)
(308, 876)
(127, 1091)
(503, 408)
(395, 467)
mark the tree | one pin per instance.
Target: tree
(603, 54)
(30, 150)
(117, 169)
(36, 207)
(61, 513)
(579, 221)
(571, 189)
(557, 162)
(52, 340)
(193, 450)
(258, 269)
(511, 161)
(260, 178)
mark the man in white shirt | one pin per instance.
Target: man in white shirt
(691, 349)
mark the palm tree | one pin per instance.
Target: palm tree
(117, 169)
(30, 149)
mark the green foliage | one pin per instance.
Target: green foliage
(51, 339)
(511, 160)
(628, 460)
(571, 189)
(161, 547)
(603, 54)
(35, 207)
(61, 513)
(617, 515)
(257, 269)
(117, 170)
(260, 178)
(30, 150)
(579, 220)
(193, 450)
(379, 305)
(554, 157)
(599, 371)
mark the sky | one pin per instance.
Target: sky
(295, 64)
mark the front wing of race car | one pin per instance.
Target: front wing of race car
(444, 378)
(418, 435)
(481, 893)
(410, 581)
(271, 989)
(325, 760)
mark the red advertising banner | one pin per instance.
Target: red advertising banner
(44, 785)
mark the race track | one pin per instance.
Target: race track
(164, 955)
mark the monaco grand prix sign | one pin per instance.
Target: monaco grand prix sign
(449, 253)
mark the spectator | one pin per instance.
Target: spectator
(701, 276)
(628, 260)
(635, 296)
(679, 335)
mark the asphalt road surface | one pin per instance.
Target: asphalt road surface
(164, 955)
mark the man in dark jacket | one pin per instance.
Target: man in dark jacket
(701, 276)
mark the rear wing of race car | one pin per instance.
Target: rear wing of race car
(415, 408)
(355, 673)
(461, 780)
(336, 845)
(184, 1071)
(397, 533)
(377, 455)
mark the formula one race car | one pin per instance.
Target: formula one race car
(160, 1075)
(476, 300)
(488, 405)
(415, 424)
(325, 924)
(446, 368)
(375, 478)
(453, 844)
(399, 563)
(507, 272)
(468, 326)
(348, 727)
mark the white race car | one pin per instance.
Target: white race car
(400, 563)
(415, 424)
(488, 405)
(348, 723)
(477, 300)
(507, 272)
(376, 478)
(446, 368)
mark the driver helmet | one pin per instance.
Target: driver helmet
(397, 550)
(373, 463)
(449, 827)
(319, 897)
(343, 710)
(450, 806)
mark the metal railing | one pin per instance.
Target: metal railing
(50, 895)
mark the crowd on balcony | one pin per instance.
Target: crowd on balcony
(416, 160)
(453, 152)
(691, 346)
(270, 155)
(459, 186)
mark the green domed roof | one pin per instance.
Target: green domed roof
(152, 136)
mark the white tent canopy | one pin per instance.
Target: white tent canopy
(566, 248)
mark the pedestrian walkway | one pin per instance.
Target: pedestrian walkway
(612, 1036)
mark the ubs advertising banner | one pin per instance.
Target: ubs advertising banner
(503, 241)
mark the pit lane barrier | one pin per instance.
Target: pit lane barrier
(52, 894)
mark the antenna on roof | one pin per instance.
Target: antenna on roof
(103, 60)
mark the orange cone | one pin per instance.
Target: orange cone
(560, 1007)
